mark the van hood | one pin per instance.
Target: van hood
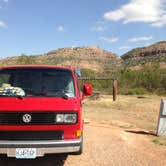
(38, 104)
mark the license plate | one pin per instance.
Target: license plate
(25, 153)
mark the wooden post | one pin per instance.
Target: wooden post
(114, 84)
(114, 88)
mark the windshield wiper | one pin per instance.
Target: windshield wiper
(59, 94)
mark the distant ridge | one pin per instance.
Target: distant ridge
(95, 58)
(90, 57)
(153, 53)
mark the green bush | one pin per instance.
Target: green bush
(25, 60)
(149, 80)
(136, 91)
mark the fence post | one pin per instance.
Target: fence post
(114, 88)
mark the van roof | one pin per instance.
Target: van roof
(37, 66)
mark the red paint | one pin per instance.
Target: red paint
(46, 104)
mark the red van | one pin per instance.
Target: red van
(40, 111)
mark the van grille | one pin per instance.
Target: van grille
(37, 118)
(31, 135)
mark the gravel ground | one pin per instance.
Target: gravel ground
(105, 145)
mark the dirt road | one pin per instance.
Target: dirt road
(105, 145)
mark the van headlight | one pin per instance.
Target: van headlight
(66, 118)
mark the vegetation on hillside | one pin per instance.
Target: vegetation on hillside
(149, 80)
(83, 57)
(24, 59)
(140, 56)
(139, 71)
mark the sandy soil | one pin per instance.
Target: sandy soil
(109, 145)
(105, 145)
(108, 142)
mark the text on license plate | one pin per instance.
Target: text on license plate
(25, 153)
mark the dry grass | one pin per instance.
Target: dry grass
(160, 141)
(126, 112)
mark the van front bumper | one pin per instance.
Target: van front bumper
(42, 147)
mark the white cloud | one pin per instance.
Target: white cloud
(161, 22)
(2, 24)
(109, 40)
(5, 0)
(139, 39)
(97, 28)
(148, 11)
(124, 47)
(61, 28)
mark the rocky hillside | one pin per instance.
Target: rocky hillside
(91, 57)
(153, 53)
(95, 58)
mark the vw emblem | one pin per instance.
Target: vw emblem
(26, 118)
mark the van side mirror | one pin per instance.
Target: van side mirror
(87, 89)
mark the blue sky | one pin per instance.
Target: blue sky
(38, 26)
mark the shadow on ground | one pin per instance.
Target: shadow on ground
(141, 132)
(50, 160)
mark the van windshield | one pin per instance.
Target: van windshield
(36, 82)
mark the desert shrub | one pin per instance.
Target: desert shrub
(136, 91)
(25, 60)
(149, 80)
